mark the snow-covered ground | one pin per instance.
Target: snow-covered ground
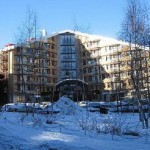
(71, 129)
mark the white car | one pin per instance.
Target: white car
(83, 103)
(10, 107)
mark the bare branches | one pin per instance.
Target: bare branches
(135, 27)
(81, 28)
(28, 30)
(136, 31)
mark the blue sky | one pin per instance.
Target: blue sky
(103, 17)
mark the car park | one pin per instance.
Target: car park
(22, 107)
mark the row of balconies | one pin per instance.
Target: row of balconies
(23, 54)
(31, 82)
(114, 61)
(26, 91)
(110, 52)
(36, 64)
(116, 89)
(4, 58)
(116, 79)
(31, 55)
(36, 74)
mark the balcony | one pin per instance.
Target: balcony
(46, 74)
(125, 68)
(115, 51)
(18, 81)
(126, 58)
(94, 55)
(107, 80)
(5, 58)
(125, 49)
(5, 66)
(17, 53)
(27, 54)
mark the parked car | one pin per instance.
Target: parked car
(104, 107)
(48, 109)
(10, 107)
(30, 107)
(22, 107)
(83, 103)
(95, 106)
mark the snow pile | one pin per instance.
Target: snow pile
(67, 107)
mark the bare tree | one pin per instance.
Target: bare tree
(81, 28)
(28, 29)
(135, 31)
(26, 36)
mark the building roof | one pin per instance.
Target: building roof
(91, 37)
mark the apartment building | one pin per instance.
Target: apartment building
(105, 65)
(70, 81)
(81, 66)
(27, 68)
(87, 65)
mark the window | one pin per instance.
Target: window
(67, 39)
(89, 70)
(47, 89)
(83, 53)
(28, 78)
(52, 63)
(18, 87)
(18, 78)
(53, 38)
(53, 71)
(109, 85)
(103, 76)
(110, 57)
(52, 47)
(124, 84)
(107, 67)
(84, 70)
(96, 70)
(84, 62)
(93, 78)
(111, 65)
(48, 71)
(29, 88)
(49, 80)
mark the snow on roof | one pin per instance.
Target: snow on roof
(8, 47)
(91, 37)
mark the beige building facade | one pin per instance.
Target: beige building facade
(81, 66)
